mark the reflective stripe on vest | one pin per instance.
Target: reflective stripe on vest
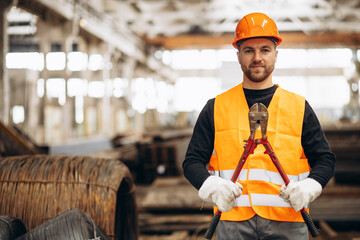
(259, 175)
(261, 200)
(242, 201)
(227, 174)
(268, 200)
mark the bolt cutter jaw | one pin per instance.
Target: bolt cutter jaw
(258, 116)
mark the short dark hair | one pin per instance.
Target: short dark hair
(274, 40)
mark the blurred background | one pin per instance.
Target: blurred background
(126, 79)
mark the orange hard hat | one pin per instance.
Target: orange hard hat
(256, 25)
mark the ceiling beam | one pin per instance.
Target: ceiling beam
(290, 40)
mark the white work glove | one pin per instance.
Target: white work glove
(300, 194)
(220, 191)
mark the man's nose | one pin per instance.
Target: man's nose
(257, 56)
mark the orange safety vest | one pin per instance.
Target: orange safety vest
(259, 177)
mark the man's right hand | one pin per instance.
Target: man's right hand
(220, 191)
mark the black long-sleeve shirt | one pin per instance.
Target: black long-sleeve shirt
(316, 148)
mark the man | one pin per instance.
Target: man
(258, 205)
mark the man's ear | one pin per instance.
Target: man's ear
(276, 53)
(238, 56)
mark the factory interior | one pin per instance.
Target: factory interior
(99, 99)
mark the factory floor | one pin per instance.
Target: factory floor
(169, 209)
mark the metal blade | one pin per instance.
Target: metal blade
(258, 116)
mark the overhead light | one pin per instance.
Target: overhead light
(82, 22)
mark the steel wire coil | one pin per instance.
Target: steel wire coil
(70, 225)
(36, 188)
(11, 228)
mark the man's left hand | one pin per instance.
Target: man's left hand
(300, 194)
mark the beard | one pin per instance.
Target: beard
(258, 74)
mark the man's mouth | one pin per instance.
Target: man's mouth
(256, 66)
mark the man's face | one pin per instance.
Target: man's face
(257, 57)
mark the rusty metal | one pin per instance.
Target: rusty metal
(36, 188)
